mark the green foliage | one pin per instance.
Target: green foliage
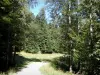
(79, 33)
(74, 30)
(42, 37)
(13, 23)
(62, 63)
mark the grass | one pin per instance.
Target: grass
(49, 70)
(10, 72)
(23, 58)
(41, 57)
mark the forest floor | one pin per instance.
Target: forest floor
(32, 68)
(35, 64)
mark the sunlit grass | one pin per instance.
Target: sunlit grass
(49, 70)
(41, 56)
(10, 72)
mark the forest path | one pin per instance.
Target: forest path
(32, 68)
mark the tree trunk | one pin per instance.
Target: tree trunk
(70, 41)
(7, 52)
(14, 54)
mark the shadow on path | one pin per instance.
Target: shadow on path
(21, 62)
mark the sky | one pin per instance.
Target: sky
(36, 10)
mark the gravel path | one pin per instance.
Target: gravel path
(32, 69)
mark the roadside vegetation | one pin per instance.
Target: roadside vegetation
(9, 72)
(41, 57)
(49, 70)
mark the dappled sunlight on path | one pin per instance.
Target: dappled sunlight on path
(32, 69)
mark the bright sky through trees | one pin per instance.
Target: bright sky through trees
(36, 10)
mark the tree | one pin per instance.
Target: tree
(13, 21)
(78, 20)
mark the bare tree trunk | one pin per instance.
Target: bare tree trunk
(91, 37)
(71, 58)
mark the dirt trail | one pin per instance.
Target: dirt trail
(32, 69)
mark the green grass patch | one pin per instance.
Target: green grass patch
(41, 57)
(49, 70)
(10, 72)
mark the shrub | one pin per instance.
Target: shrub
(63, 64)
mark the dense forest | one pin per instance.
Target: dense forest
(73, 30)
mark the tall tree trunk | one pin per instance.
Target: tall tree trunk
(78, 30)
(7, 52)
(91, 38)
(70, 41)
